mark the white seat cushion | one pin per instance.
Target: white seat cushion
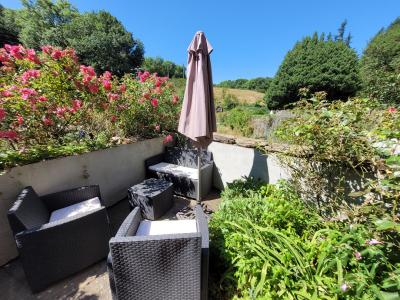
(147, 227)
(75, 209)
(180, 171)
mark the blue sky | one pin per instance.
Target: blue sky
(250, 38)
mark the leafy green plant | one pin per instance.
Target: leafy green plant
(358, 137)
(267, 244)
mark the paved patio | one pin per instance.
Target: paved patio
(91, 283)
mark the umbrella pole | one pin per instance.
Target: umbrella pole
(198, 173)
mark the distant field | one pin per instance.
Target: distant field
(244, 96)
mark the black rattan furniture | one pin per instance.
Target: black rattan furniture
(180, 167)
(153, 196)
(167, 266)
(51, 251)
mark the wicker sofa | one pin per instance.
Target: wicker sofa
(180, 167)
(161, 266)
(51, 246)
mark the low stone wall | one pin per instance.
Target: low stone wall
(114, 170)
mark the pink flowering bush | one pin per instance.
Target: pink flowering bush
(50, 105)
(151, 102)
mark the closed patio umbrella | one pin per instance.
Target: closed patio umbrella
(197, 120)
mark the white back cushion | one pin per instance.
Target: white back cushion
(180, 171)
(147, 227)
(75, 209)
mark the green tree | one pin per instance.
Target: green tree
(319, 65)
(380, 65)
(9, 28)
(43, 20)
(259, 84)
(163, 67)
(99, 38)
(101, 41)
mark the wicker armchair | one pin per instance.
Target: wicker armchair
(53, 250)
(180, 167)
(167, 266)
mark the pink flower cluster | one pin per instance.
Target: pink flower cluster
(89, 78)
(168, 139)
(17, 52)
(31, 55)
(27, 75)
(27, 93)
(113, 96)
(160, 81)
(106, 80)
(47, 121)
(8, 134)
(122, 88)
(2, 114)
(7, 93)
(107, 84)
(56, 53)
(143, 76)
(392, 109)
(154, 102)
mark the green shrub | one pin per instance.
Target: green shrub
(319, 65)
(229, 101)
(359, 135)
(238, 119)
(380, 65)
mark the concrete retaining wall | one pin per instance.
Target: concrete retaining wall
(233, 162)
(114, 169)
(118, 168)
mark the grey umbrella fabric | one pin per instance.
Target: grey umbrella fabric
(197, 120)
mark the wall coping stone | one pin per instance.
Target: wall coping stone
(269, 147)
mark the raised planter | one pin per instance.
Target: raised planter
(114, 169)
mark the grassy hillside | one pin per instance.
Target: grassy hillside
(240, 107)
(244, 96)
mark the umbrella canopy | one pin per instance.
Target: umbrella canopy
(197, 120)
